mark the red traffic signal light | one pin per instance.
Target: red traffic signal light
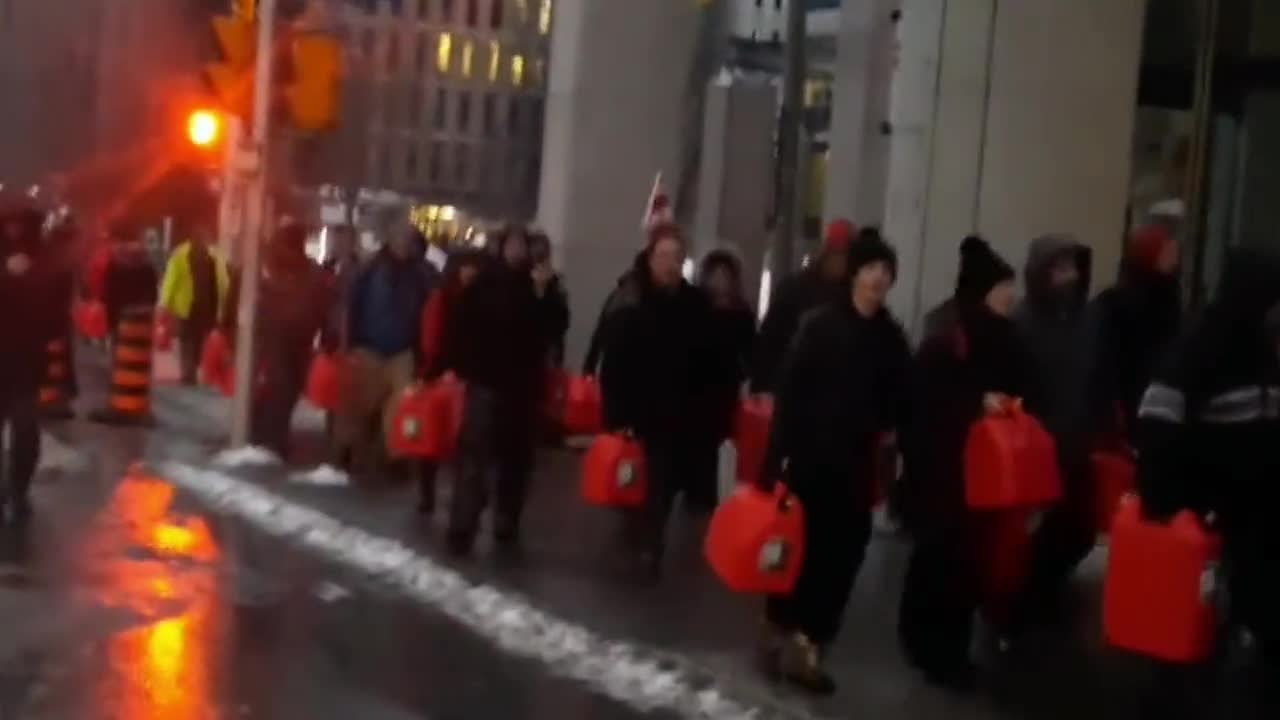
(204, 128)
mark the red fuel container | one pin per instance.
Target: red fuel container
(1004, 546)
(1158, 600)
(751, 435)
(1114, 476)
(583, 406)
(427, 421)
(323, 382)
(755, 543)
(1010, 462)
(215, 361)
(614, 474)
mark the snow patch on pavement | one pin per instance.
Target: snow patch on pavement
(245, 457)
(640, 678)
(57, 455)
(323, 476)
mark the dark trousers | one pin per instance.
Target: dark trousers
(669, 462)
(1253, 589)
(285, 376)
(495, 446)
(836, 535)
(939, 599)
(20, 411)
(702, 490)
(191, 337)
(1067, 534)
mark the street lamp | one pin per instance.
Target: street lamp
(204, 128)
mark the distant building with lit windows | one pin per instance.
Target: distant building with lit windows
(445, 100)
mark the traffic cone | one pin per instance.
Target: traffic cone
(54, 401)
(129, 401)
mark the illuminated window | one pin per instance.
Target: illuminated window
(495, 60)
(468, 54)
(522, 7)
(544, 16)
(517, 70)
(444, 52)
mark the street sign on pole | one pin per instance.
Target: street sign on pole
(256, 222)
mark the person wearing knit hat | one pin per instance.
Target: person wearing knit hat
(842, 387)
(963, 371)
(821, 282)
(1139, 318)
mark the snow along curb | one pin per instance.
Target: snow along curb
(640, 678)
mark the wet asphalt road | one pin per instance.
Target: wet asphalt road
(126, 599)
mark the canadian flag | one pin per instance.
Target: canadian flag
(658, 210)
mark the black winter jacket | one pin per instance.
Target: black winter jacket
(732, 337)
(29, 318)
(793, 299)
(493, 336)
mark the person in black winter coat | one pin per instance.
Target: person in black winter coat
(1060, 336)
(28, 288)
(732, 337)
(968, 367)
(843, 384)
(1139, 319)
(625, 289)
(494, 343)
(942, 317)
(553, 299)
(820, 284)
(1207, 435)
(654, 381)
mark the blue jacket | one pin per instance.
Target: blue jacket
(386, 304)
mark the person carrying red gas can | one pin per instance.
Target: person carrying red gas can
(1207, 437)
(972, 364)
(842, 384)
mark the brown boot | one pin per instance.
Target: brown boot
(799, 664)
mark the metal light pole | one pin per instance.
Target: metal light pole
(793, 79)
(255, 162)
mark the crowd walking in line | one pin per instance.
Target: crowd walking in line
(1192, 401)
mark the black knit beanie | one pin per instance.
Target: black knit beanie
(980, 270)
(868, 248)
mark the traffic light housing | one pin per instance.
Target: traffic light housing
(311, 96)
(232, 78)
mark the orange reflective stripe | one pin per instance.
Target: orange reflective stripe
(127, 354)
(129, 404)
(130, 379)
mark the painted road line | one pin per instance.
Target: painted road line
(641, 678)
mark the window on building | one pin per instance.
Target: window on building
(544, 16)
(513, 117)
(468, 54)
(393, 53)
(384, 163)
(495, 13)
(368, 41)
(517, 70)
(495, 60)
(464, 112)
(536, 109)
(522, 9)
(413, 113)
(440, 113)
(424, 9)
(540, 72)
(473, 13)
(411, 163)
(460, 164)
(435, 163)
(420, 53)
(446, 10)
(489, 114)
(444, 52)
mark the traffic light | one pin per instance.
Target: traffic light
(204, 128)
(312, 95)
(232, 79)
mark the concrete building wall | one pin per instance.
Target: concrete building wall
(615, 117)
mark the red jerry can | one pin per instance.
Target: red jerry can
(1114, 476)
(215, 361)
(614, 474)
(323, 382)
(1158, 599)
(1010, 462)
(91, 319)
(583, 406)
(428, 421)
(1004, 547)
(755, 543)
(751, 435)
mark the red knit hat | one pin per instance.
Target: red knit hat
(839, 235)
(1147, 244)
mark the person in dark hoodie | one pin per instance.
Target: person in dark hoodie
(385, 317)
(970, 366)
(496, 346)
(1207, 435)
(1139, 319)
(654, 382)
(626, 288)
(843, 384)
(1060, 337)
(732, 338)
(822, 283)
(293, 306)
(28, 288)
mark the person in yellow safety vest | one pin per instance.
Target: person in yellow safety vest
(194, 292)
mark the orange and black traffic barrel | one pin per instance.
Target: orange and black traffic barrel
(55, 383)
(129, 400)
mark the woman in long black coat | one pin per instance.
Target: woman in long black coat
(969, 366)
